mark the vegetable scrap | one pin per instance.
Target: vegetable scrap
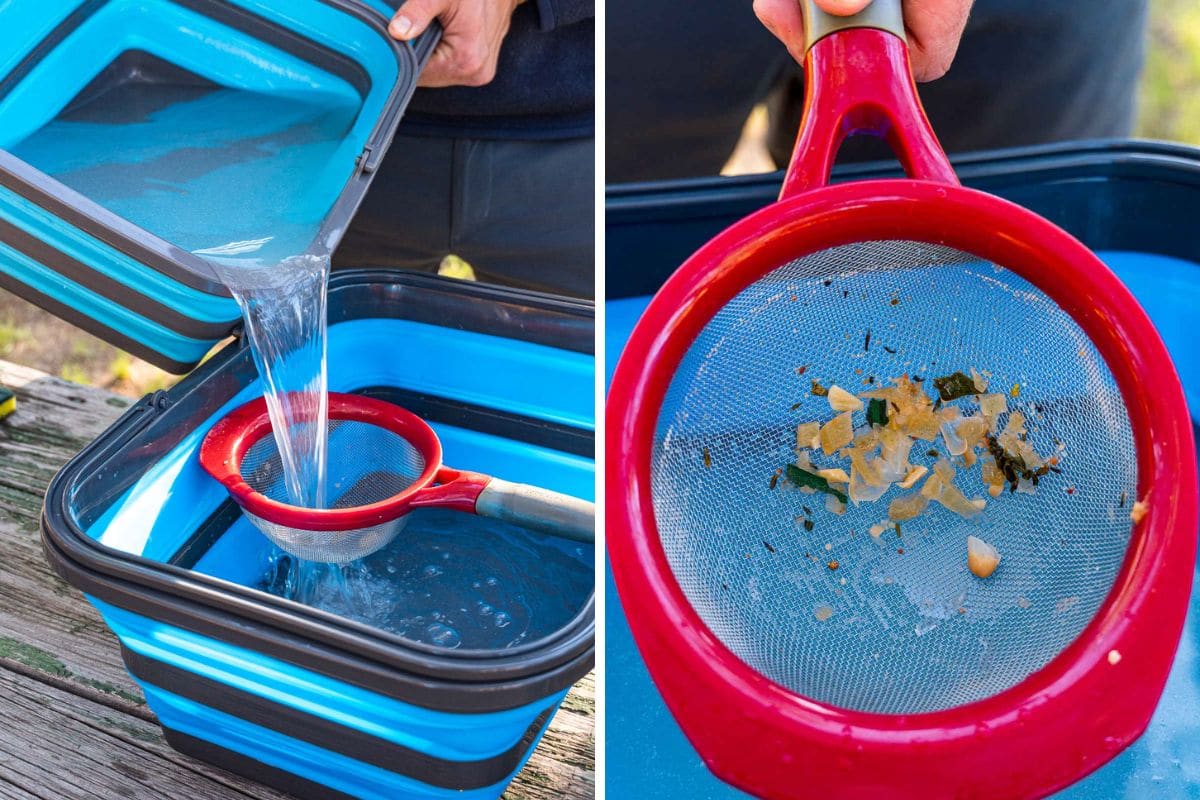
(822, 613)
(982, 558)
(767, 545)
(874, 454)
(1138, 512)
(833, 564)
(818, 390)
(707, 459)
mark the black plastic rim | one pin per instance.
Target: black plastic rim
(640, 257)
(462, 681)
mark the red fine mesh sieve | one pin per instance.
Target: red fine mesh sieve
(383, 462)
(799, 652)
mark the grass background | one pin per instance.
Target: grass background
(1169, 109)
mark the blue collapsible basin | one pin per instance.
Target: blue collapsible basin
(138, 137)
(304, 700)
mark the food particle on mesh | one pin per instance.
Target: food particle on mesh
(802, 370)
(991, 406)
(982, 558)
(1114, 657)
(767, 545)
(807, 434)
(707, 459)
(906, 507)
(915, 474)
(834, 506)
(837, 433)
(1138, 512)
(867, 342)
(953, 386)
(822, 613)
(1015, 391)
(833, 564)
(1023, 602)
(841, 400)
(876, 530)
(981, 383)
(828, 546)
(817, 389)
(842, 581)
(835, 475)
(809, 524)
(774, 479)
(1124, 497)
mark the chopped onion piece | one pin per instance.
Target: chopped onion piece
(915, 474)
(862, 490)
(953, 499)
(807, 435)
(992, 406)
(841, 400)
(1138, 512)
(834, 506)
(982, 558)
(907, 507)
(835, 475)
(955, 445)
(837, 433)
(980, 382)
(876, 531)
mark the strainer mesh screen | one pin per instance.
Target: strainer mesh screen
(889, 631)
(367, 464)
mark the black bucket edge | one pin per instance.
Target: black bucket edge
(710, 204)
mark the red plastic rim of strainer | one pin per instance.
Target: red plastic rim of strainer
(1064, 720)
(228, 441)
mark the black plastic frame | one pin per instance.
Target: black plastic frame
(158, 254)
(1093, 189)
(461, 681)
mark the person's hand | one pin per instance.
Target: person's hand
(472, 31)
(934, 28)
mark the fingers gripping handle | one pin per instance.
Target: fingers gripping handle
(884, 15)
(858, 81)
(539, 509)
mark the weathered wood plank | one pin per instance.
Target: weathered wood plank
(60, 658)
(59, 745)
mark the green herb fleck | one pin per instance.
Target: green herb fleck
(952, 387)
(877, 413)
(799, 477)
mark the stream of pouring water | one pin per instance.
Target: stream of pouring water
(284, 309)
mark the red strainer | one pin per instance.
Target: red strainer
(383, 462)
(806, 653)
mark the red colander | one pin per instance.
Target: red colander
(383, 463)
(809, 653)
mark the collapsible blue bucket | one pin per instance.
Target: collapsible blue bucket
(137, 136)
(301, 699)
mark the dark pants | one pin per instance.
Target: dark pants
(681, 81)
(520, 212)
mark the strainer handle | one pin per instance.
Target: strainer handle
(539, 509)
(858, 80)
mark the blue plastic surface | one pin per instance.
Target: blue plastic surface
(649, 757)
(260, 154)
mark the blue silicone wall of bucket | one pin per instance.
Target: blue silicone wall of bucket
(313, 704)
(139, 136)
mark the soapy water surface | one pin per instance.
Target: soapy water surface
(452, 580)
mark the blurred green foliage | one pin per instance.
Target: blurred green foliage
(1170, 97)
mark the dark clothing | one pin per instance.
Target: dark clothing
(544, 86)
(1027, 72)
(520, 212)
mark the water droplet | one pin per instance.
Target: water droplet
(492, 582)
(443, 636)
(431, 571)
(503, 620)
(391, 568)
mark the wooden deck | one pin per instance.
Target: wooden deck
(73, 725)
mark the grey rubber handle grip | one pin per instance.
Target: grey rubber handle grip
(884, 15)
(539, 509)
